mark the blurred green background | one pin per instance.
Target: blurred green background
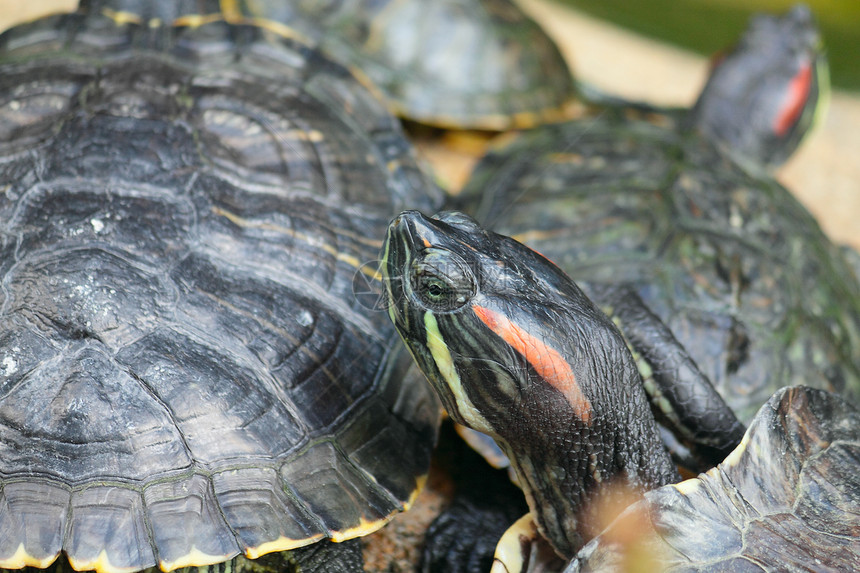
(703, 25)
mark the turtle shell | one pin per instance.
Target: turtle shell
(785, 499)
(729, 260)
(453, 63)
(186, 372)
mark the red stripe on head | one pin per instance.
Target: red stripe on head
(546, 361)
(798, 92)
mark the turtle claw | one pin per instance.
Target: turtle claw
(522, 549)
(343, 557)
(514, 548)
(463, 537)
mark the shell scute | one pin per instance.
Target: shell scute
(785, 499)
(738, 270)
(79, 417)
(43, 530)
(107, 529)
(217, 422)
(336, 491)
(261, 511)
(186, 521)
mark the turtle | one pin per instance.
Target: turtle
(186, 372)
(458, 72)
(652, 198)
(682, 206)
(459, 64)
(517, 350)
(449, 63)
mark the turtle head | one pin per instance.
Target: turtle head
(479, 313)
(516, 350)
(763, 96)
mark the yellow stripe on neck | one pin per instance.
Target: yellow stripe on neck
(445, 364)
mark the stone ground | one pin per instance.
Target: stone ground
(824, 174)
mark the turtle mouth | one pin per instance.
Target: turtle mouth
(398, 252)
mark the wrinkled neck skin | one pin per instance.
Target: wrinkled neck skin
(516, 350)
(571, 467)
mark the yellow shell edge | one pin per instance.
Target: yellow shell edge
(194, 558)
(100, 564)
(21, 559)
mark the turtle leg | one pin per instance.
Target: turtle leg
(328, 557)
(682, 397)
(523, 549)
(463, 537)
(320, 557)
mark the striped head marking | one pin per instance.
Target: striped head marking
(423, 282)
(763, 96)
(547, 362)
(467, 304)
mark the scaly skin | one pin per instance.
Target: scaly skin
(516, 350)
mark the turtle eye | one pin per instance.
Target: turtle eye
(441, 281)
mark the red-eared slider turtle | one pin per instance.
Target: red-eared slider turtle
(739, 271)
(451, 63)
(454, 63)
(185, 372)
(516, 350)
